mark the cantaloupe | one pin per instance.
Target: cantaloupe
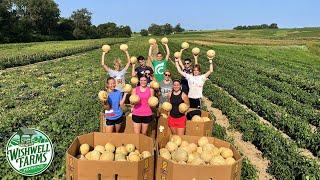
(183, 108)
(124, 47)
(211, 53)
(164, 40)
(134, 80)
(103, 95)
(153, 101)
(177, 55)
(106, 48)
(166, 106)
(127, 88)
(133, 60)
(195, 51)
(185, 45)
(84, 149)
(134, 99)
(152, 41)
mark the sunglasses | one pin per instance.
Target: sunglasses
(186, 63)
(167, 74)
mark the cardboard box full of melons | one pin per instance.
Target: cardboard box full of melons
(200, 167)
(193, 128)
(85, 167)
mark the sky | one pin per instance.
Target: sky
(198, 14)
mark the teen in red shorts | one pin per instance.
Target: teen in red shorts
(177, 120)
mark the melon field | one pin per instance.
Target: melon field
(264, 94)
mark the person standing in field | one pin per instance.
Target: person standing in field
(117, 73)
(159, 64)
(196, 82)
(177, 120)
(187, 68)
(142, 112)
(142, 70)
(165, 87)
(113, 113)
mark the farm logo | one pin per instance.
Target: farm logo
(29, 151)
(159, 69)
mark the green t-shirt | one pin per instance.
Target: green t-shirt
(159, 68)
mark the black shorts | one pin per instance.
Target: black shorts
(195, 103)
(114, 122)
(142, 119)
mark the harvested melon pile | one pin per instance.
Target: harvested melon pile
(197, 118)
(202, 153)
(109, 152)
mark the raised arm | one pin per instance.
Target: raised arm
(150, 52)
(210, 69)
(195, 59)
(168, 51)
(178, 67)
(180, 62)
(105, 67)
(128, 59)
(133, 73)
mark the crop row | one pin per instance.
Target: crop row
(261, 86)
(13, 56)
(255, 96)
(306, 79)
(285, 160)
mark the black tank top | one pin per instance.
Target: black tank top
(176, 100)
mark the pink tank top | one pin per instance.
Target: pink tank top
(142, 108)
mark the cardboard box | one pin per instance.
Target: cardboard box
(91, 169)
(168, 170)
(192, 128)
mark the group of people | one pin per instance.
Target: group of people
(187, 89)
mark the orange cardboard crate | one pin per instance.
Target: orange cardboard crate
(168, 170)
(109, 170)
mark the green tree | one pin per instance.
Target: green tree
(82, 22)
(178, 28)
(144, 32)
(155, 29)
(43, 14)
(167, 29)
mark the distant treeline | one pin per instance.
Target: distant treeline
(39, 20)
(262, 26)
(160, 30)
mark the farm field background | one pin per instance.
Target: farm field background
(267, 83)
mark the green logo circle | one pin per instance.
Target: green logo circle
(29, 151)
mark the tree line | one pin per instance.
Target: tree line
(160, 30)
(39, 20)
(262, 26)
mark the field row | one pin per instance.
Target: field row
(286, 162)
(28, 53)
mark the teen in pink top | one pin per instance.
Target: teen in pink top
(142, 113)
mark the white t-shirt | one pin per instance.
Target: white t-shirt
(195, 85)
(119, 76)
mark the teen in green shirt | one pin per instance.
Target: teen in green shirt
(159, 64)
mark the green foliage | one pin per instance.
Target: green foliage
(144, 32)
(262, 26)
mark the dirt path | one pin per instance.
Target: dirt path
(247, 148)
